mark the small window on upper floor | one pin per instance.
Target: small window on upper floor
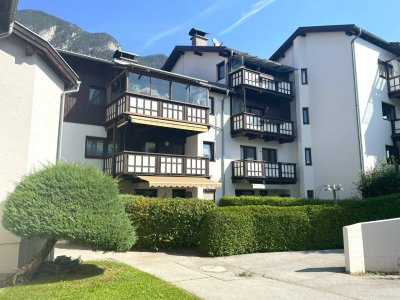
(304, 76)
(388, 111)
(221, 70)
(97, 96)
(385, 69)
(208, 150)
(306, 116)
(211, 103)
(307, 156)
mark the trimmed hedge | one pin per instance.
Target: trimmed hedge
(166, 223)
(270, 200)
(249, 229)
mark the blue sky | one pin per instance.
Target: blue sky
(255, 26)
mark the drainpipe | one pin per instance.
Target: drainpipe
(356, 99)
(12, 6)
(61, 117)
(223, 144)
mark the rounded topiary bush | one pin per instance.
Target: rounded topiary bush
(73, 202)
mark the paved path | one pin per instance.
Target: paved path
(280, 275)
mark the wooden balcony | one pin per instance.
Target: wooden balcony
(394, 86)
(261, 81)
(265, 172)
(258, 127)
(158, 112)
(140, 163)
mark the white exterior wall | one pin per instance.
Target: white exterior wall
(203, 67)
(372, 246)
(332, 132)
(29, 109)
(74, 142)
(372, 91)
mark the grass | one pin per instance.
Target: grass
(97, 280)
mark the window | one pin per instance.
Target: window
(150, 147)
(97, 96)
(179, 193)
(159, 88)
(221, 70)
(244, 192)
(306, 116)
(211, 105)
(390, 154)
(269, 155)
(139, 83)
(304, 76)
(310, 194)
(255, 110)
(247, 152)
(308, 160)
(95, 147)
(209, 195)
(208, 150)
(263, 192)
(388, 111)
(147, 192)
(385, 70)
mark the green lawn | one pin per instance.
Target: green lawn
(97, 280)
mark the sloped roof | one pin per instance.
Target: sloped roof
(349, 29)
(48, 53)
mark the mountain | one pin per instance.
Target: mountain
(67, 36)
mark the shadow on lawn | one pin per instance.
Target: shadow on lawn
(81, 271)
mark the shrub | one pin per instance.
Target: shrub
(382, 180)
(166, 223)
(68, 201)
(248, 229)
(269, 200)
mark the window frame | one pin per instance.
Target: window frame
(306, 115)
(210, 191)
(388, 149)
(385, 70)
(310, 194)
(307, 154)
(242, 147)
(221, 75)
(238, 191)
(304, 76)
(105, 146)
(269, 150)
(211, 105)
(212, 148)
(393, 109)
(94, 87)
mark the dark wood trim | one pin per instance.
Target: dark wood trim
(104, 147)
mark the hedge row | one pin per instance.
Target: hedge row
(166, 223)
(249, 229)
(269, 200)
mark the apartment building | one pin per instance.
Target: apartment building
(322, 109)
(141, 125)
(33, 78)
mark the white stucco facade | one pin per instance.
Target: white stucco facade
(29, 110)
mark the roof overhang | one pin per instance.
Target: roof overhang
(180, 182)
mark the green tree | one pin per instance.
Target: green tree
(67, 201)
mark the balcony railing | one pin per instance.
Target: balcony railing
(264, 171)
(394, 85)
(140, 163)
(129, 103)
(250, 124)
(260, 80)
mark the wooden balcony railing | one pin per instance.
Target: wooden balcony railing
(394, 85)
(250, 124)
(264, 171)
(140, 163)
(129, 103)
(260, 80)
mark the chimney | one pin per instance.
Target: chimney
(198, 37)
(126, 56)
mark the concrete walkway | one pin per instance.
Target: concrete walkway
(280, 275)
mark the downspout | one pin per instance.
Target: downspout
(8, 33)
(356, 99)
(223, 144)
(61, 117)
